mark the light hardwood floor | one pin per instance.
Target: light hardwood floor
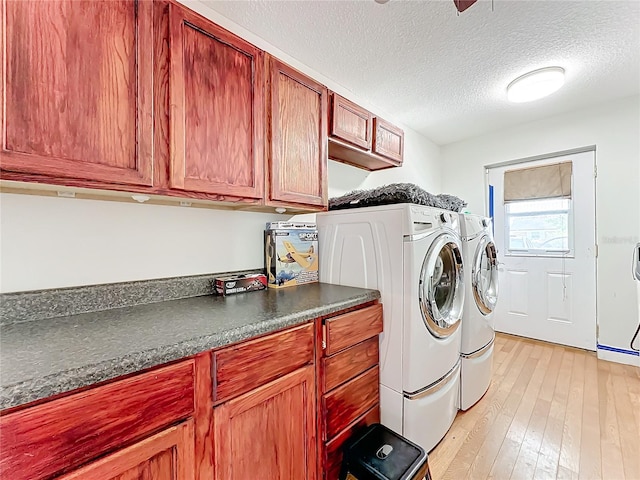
(550, 412)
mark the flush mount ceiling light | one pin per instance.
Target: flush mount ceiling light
(534, 85)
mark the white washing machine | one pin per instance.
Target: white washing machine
(481, 277)
(412, 254)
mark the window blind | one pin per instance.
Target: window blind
(546, 181)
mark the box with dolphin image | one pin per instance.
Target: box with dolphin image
(291, 253)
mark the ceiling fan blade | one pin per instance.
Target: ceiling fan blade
(462, 5)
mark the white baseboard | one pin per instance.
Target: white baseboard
(618, 357)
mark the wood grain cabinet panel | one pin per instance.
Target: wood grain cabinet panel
(388, 140)
(348, 402)
(72, 430)
(77, 96)
(216, 98)
(297, 137)
(358, 138)
(269, 432)
(250, 364)
(333, 452)
(167, 455)
(348, 363)
(350, 328)
(350, 122)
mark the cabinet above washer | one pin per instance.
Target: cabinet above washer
(359, 138)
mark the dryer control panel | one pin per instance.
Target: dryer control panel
(428, 218)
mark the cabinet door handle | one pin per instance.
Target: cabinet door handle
(324, 336)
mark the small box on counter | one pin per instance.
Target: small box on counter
(291, 253)
(240, 283)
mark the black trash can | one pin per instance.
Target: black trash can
(381, 454)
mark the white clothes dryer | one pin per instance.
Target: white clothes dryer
(481, 277)
(413, 255)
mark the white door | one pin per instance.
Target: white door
(547, 258)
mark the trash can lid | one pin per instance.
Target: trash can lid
(385, 454)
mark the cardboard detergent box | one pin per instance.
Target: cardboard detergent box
(240, 283)
(291, 253)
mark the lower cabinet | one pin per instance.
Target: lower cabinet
(276, 407)
(349, 387)
(168, 455)
(69, 433)
(268, 432)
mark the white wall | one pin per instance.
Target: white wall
(614, 129)
(49, 242)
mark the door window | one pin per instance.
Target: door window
(539, 227)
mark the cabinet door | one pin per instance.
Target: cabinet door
(167, 455)
(77, 90)
(67, 432)
(388, 140)
(269, 432)
(350, 122)
(298, 137)
(216, 97)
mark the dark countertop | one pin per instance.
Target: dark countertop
(42, 358)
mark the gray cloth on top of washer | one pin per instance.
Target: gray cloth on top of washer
(396, 193)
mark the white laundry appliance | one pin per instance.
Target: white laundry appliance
(635, 268)
(481, 277)
(412, 255)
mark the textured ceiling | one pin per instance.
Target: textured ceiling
(445, 74)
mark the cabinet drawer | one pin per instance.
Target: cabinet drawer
(388, 140)
(71, 430)
(348, 363)
(250, 364)
(351, 328)
(350, 122)
(333, 450)
(346, 403)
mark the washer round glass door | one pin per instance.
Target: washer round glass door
(441, 289)
(484, 276)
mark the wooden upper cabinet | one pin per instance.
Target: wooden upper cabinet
(78, 90)
(388, 140)
(359, 138)
(269, 432)
(297, 137)
(167, 455)
(216, 101)
(350, 122)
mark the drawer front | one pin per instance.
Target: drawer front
(69, 431)
(333, 449)
(352, 328)
(250, 364)
(350, 122)
(388, 140)
(348, 363)
(348, 402)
